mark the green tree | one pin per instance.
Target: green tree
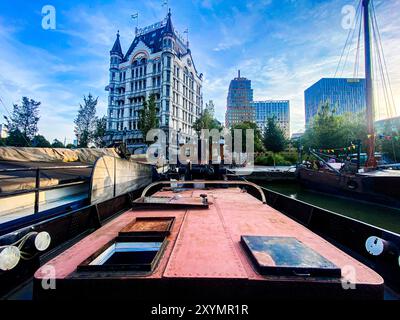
(70, 146)
(390, 142)
(258, 143)
(17, 139)
(329, 130)
(100, 132)
(24, 120)
(206, 120)
(274, 138)
(148, 117)
(85, 122)
(40, 141)
(57, 144)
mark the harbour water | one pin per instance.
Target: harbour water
(383, 217)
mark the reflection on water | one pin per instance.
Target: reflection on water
(386, 218)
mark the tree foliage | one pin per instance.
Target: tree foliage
(390, 145)
(258, 143)
(206, 120)
(23, 121)
(329, 130)
(148, 116)
(57, 144)
(274, 138)
(40, 142)
(85, 122)
(17, 139)
(100, 132)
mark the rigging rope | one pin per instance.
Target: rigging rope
(350, 37)
(357, 62)
(382, 53)
(358, 17)
(383, 70)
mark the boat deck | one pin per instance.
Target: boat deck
(204, 257)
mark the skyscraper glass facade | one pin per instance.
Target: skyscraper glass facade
(345, 95)
(239, 107)
(273, 108)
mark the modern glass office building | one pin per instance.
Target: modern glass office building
(279, 109)
(345, 95)
(239, 107)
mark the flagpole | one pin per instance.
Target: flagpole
(136, 16)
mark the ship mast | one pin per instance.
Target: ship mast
(371, 161)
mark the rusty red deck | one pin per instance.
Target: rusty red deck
(204, 256)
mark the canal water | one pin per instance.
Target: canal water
(384, 217)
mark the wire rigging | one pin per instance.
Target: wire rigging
(357, 18)
(383, 58)
(357, 59)
(349, 40)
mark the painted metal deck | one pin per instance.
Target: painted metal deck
(204, 252)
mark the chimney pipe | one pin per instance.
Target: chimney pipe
(238, 73)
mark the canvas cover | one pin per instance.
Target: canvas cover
(85, 155)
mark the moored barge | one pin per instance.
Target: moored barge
(209, 243)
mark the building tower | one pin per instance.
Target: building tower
(239, 107)
(158, 62)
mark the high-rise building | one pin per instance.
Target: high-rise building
(345, 95)
(278, 109)
(158, 62)
(239, 107)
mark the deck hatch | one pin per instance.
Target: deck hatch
(149, 226)
(125, 256)
(286, 256)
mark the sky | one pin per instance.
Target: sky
(283, 46)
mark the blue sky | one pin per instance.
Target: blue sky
(283, 46)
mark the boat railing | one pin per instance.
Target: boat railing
(205, 182)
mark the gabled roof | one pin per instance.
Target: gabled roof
(153, 40)
(117, 49)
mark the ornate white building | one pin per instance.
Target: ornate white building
(158, 62)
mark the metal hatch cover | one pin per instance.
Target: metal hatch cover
(149, 226)
(286, 256)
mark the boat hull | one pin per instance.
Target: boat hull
(381, 189)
